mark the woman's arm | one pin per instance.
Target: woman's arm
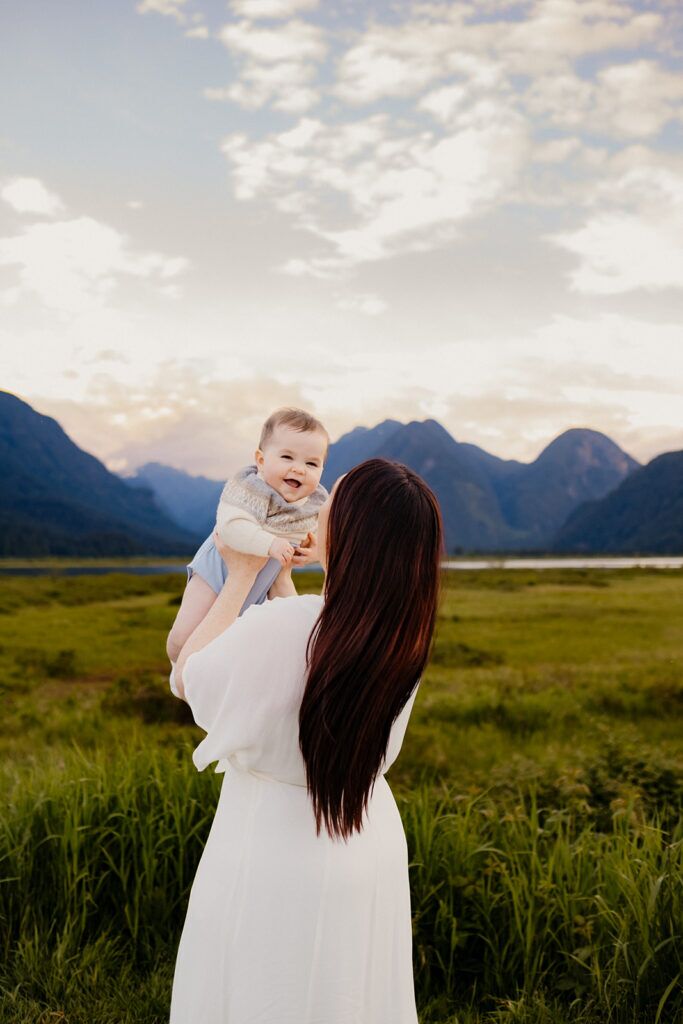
(242, 570)
(283, 585)
(198, 597)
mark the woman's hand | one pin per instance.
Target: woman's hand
(237, 562)
(307, 551)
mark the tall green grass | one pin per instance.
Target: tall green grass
(513, 901)
(540, 785)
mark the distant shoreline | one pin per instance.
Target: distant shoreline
(153, 566)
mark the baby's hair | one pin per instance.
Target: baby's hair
(298, 419)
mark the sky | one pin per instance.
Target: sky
(465, 211)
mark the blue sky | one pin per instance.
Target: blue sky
(467, 211)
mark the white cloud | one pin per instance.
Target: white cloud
(511, 393)
(198, 32)
(369, 193)
(556, 151)
(279, 65)
(271, 8)
(437, 40)
(476, 82)
(74, 265)
(567, 29)
(367, 304)
(620, 252)
(161, 420)
(285, 84)
(29, 195)
(632, 239)
(170, 8)
(295, 41)
(633, 100)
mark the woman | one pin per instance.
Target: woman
(300, 909)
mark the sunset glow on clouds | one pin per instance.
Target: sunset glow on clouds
(471, 211)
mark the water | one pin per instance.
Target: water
(596, 562)
(487, 562)
(89, 570)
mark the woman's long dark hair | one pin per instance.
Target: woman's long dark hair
(372, 639)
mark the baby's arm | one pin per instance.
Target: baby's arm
(240, 530)
(197, 599)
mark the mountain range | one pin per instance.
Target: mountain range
(496, 505)
(583, 493)
(57, 499)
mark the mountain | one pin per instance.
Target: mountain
(59, 500)
(488, 503)
(643, 515)
(471, 511)
(359, 444)
(579, 465)
(190, 501)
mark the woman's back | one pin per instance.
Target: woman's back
(245, 690)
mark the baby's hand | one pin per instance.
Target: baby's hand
(282, 550)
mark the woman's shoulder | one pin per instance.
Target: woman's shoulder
(302, 608)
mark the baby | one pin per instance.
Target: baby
(265, 509)
(270, 507)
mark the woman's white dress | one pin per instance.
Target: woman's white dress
(283, 926)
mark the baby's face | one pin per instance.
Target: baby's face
(292, 461)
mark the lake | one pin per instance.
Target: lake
(483, 563)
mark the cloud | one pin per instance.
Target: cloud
(633, 100)
(436, 40)
(621, 252)
(295, 41)
(512, 394)
(255, 9)
(170, 8)
(278, 64)
(74, 265)
(29, 195)
(366, 303)
(181, 416)
(479, 94)
(286, 84)
(390, 193)
(633, 240)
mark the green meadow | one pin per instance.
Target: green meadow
(540, 785)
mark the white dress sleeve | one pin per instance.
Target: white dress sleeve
(239, 683)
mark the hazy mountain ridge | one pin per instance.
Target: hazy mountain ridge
(581, 494)
(190, 501)
(488, 503)
(494, 504)
(643, 515)
(59, 500)
(579, 465)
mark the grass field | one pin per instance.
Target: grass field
(540, 785)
